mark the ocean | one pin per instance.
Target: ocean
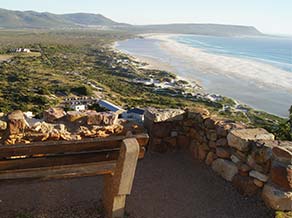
(255, 71)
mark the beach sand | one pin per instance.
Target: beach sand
(261, 74)
(257, 84)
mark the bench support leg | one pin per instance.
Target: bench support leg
(119, 185)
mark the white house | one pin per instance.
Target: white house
(78, 107)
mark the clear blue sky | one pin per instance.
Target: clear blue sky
(269, 16)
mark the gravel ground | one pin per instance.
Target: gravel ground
(166, 186)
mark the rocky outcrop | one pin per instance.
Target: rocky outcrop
(53, 114)
(225, 168)
(58, 125)
(277, 198)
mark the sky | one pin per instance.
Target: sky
(269, 16)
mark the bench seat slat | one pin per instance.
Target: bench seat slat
(55, 147)
(59, 160)
(59, 172)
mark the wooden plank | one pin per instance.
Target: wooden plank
(60, 172)
(54, 147)
(62, 159)
(59, 160)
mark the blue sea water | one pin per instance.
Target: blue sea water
(276, 51)
(272, 50)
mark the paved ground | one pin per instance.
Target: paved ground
(166, 186)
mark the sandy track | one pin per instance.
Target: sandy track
(166, 186)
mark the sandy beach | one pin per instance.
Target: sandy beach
(258, 84)
(260, 74)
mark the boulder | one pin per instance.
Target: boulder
(16, 123)
(222, 152)
(260, 176)
(53, 114)
(209, 123)
(221, 142)
(225, 168)
(244, 169)
(258, 183)
(244, 185)
(281, 175)
(183, 141)
(211, 135)
(283, 152)
(211, 156)
(73, 116)
(161, 130)
(235, 159)
(240, 138)
(198, 114)
(277, 198)
(202, 152)
(156, 115)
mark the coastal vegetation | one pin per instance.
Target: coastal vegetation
(79, 63)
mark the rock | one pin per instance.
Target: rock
(171, 142)
(42, 127)
(276, 198)
(161, 130)
(174, 134)
(222, 129)
(73, 116)
(221, 142)
(241, 155)
(211, 135)
(264, 168)
(53, 114)
(258, 183)
(225, 168)
(244, 185)
(109, 118)
(202, 152)
(16, 123)
(281, 175)
(161, 115)
(258, 175)
(101, 118)
(3, 125)
(183, 141)
(261, 153)
(235, 159)
(94, 118)
(244, 169)
(240, 138)
(283, 152)
(212, 144)
(223, 152)
(211, 156)
(210, 123)
(198, 114)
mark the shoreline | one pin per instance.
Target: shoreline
(206, 74)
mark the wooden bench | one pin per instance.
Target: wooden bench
(114, 157)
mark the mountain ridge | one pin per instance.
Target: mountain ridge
(11, 19)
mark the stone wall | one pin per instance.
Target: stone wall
(248, 158)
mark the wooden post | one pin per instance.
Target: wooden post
(119, 185)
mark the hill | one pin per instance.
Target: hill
(36, 20)
(202, 29)
(31, 19)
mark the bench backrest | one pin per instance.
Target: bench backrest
(63, 159)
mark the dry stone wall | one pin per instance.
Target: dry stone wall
(250, 158)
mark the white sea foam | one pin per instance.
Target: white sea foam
(261, 74)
